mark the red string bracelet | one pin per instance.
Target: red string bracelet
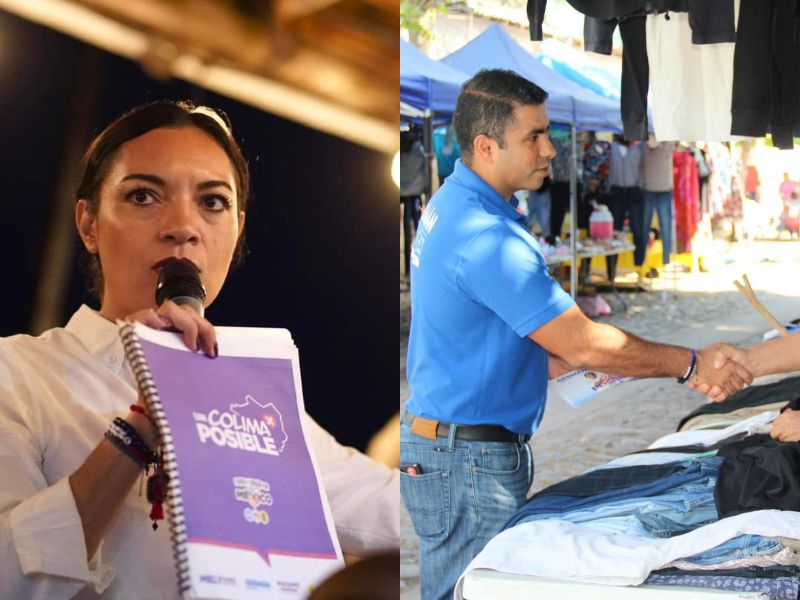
(158, 480)
(138, 409)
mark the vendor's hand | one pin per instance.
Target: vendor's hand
(198, 333)
(717, 383)
(786, 427)
(557, 366)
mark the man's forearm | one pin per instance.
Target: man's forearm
(585, 343)
(616, 351)
(622, 353)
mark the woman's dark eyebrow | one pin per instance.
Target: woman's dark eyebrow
(158, 181)
(146, 177)
(214, 183)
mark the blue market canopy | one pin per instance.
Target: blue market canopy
(593, 78)
(426, 83)
(568, 102)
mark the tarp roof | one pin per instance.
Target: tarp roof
(426, 83)
(568, 102)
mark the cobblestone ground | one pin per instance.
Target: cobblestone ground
(676, 302)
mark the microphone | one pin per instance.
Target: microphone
(179, 281)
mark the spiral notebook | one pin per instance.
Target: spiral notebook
(246, 509)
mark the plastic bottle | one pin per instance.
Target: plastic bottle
(601, 223)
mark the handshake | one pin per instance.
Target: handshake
(723, 369)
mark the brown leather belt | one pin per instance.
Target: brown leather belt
(472, 433)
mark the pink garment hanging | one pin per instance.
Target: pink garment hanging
(687, 198)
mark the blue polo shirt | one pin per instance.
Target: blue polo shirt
(479, 286)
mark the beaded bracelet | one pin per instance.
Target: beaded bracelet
(128, 441)
(691, 370)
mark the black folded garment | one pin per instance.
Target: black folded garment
(758, 473)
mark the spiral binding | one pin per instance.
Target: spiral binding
(175, 516)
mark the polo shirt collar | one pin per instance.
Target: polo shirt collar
(99, 336)
(466, 177)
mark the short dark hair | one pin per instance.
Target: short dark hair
(94, 165)
(486, 105)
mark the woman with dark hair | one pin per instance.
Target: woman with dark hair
(165, 181)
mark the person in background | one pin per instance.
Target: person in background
(415, 181)
(489, 326)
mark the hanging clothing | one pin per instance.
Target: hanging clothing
(707, 22)
(625, 166)
(597, 35)
(657, 166)
(626, 198)
(596, 160)
(561, 165)
(765, 70)
(751, 182)
(559, 206)
(720, 179)
(690, 85)
(712, 21)
(561, 173)
(658, 182)
(687, 199)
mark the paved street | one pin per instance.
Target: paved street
(687, 309)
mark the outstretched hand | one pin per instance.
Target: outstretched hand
(721, 371)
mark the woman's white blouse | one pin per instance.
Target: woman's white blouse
(58, 393)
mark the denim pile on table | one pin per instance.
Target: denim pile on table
(700, 485)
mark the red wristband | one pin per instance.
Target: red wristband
(141, 411)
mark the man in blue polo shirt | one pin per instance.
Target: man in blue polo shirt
(485, 315)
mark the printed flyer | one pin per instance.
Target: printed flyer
(579, 387)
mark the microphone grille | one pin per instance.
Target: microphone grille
(179, 278)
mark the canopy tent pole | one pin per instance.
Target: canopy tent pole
(573, 209)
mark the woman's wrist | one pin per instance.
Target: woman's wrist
(144, 427)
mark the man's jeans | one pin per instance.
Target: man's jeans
(465, 493)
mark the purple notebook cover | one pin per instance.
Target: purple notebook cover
(235, 425)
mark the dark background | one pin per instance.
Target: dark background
(321, 227)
